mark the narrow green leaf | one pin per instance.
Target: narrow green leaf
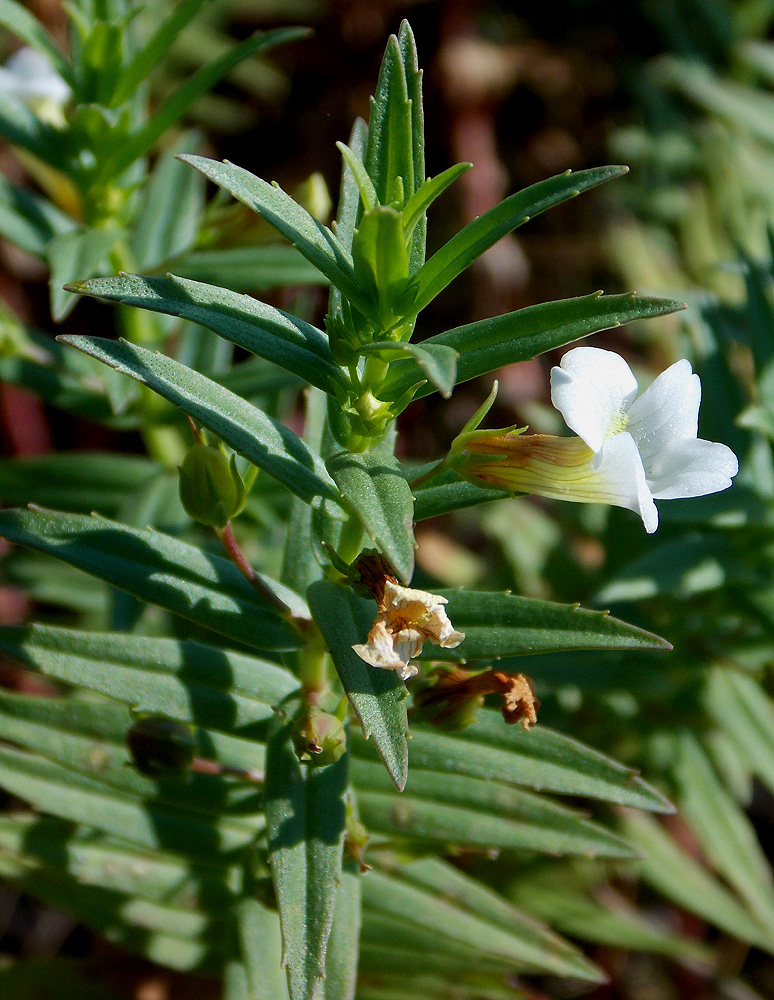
(408, 50)
(434, 894)
(276, 336)
(380, 259)
(62, 792)
(541, 759)
(198, 83)
(28, 220)
(349, 205)
(315, 241)
(69, 381)
(447, 493)
(374, 487)
(503, 624)
(489, 344)
(78, 254)
(463, 810)
(183, 680)
(181, 578)
(343, 945)
(145, 60)
(21, 127)
(741, 706)
(676, 874)
(99, 860)
(740, 105)
(250, 269)
(432, 188)
(724, 832)
(20, 22)
(76, 480)
(305, 821)
(89, 740)
(261, 945)
(564, 902)
(478, 236)
(262, 440)
(437, 362)
(368, 195)
(170, 218)
(389, 153)
(377, 696)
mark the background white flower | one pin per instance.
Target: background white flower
(645, 447)
(30, 78)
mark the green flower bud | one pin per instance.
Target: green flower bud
(211, 490)
(320, 737)
(158, 745)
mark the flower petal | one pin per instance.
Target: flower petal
(667, 411)
(593, 389)
(691, 468)
(621, 481)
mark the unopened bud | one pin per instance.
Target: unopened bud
(320, 737)
(211, 490)
(159, 744)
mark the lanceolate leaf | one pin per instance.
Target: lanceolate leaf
(250, 269)
(183, 680)
(289, 342)
(170, 219)
(20, 22)
(61, 792)
(202, 587)
(305, 821)
(377, 696)
(22, 127)
(725, 833)
(314, 240)
(99, 860)
(78, 480)
(261, 944)
(137, 144)
(503, 624)
(342, 958)
(675, 873)
(437, 361)
(73, 254)
(541, 759)
(478, 236)
(28, 220)
(464, 810)
(447, 493)
(89, 740)
(267, 443)
(152, 52)
(432, 894)
(375, 488)
(490, 344)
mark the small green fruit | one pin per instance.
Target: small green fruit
(211, 490)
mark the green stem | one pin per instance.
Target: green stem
(313, 668)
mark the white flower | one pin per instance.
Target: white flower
(645, 447)
(30, 78)
(406, 619)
